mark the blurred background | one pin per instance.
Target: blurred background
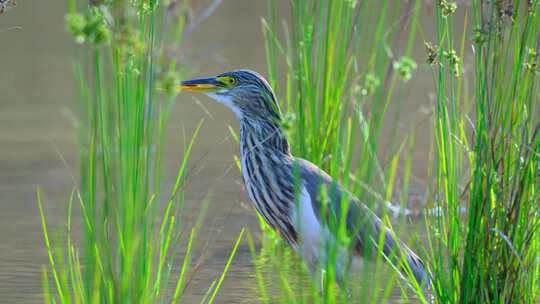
(37, 139)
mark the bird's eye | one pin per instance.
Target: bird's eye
(229, 81)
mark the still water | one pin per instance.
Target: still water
(37, 141)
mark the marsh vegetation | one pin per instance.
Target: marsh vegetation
(337, 68)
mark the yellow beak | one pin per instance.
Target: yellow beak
(205, 85)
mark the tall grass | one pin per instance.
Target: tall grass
(335, 69)
(133, 236)
(340, 74)
(486, 129)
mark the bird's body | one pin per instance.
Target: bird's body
(286, 190)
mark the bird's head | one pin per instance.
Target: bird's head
(245, 92)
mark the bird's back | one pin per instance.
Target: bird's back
(363, 225)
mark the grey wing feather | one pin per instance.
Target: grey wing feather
(362, 223)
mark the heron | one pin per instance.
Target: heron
(288, 191)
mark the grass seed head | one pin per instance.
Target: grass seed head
(432, 53)
(404, 67)
(453, 60)
(448, 8)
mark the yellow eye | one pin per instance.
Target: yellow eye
(228, 81)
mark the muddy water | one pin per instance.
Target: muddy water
(37, 140)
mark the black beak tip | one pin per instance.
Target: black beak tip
(189, 83)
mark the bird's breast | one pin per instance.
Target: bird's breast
(270, 188)
(307, 224)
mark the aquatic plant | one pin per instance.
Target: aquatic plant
(135, 247)
(484, 246)
(341, 72)
(483, 230)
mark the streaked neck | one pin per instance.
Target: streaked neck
(257, 135)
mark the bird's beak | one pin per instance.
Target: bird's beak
(205, 85)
